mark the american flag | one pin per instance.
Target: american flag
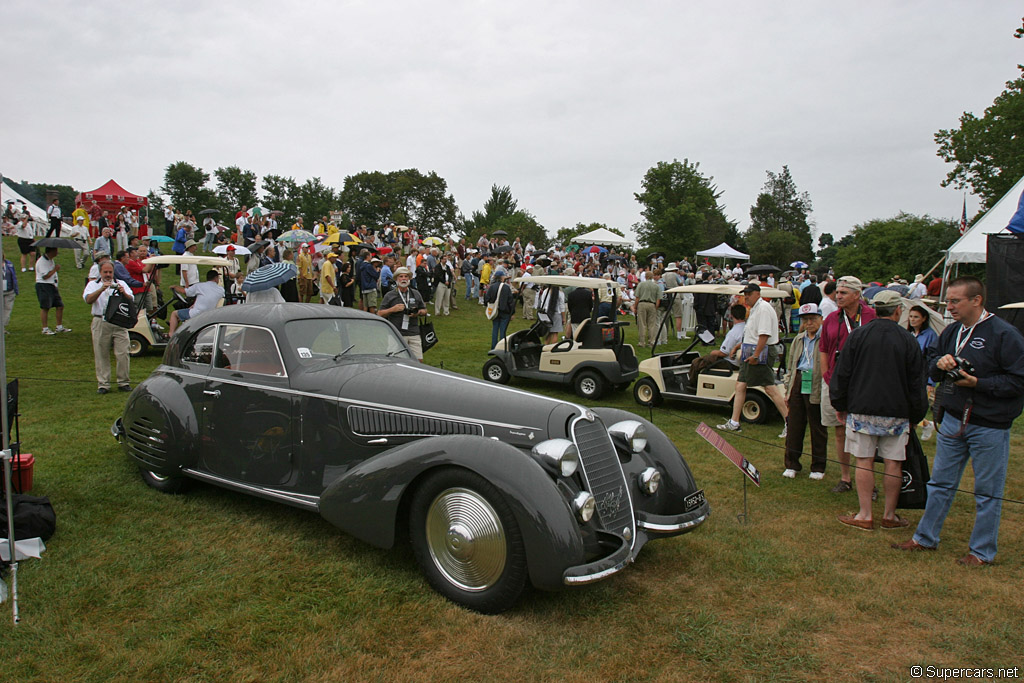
(963, 217)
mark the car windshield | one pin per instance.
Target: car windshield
(322, 339)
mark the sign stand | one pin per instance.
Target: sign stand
(735, 457)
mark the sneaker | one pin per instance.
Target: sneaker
(789, 474)
(927, 431)
(842, 487)
(31, 267)
(785, 430)
(23, 270)
(61, 328)
(816, 476)
(48, 331)
(124, 387)
(730, 426)
(102, 390)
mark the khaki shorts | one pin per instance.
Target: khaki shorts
(415, 344)
(370, 299)
(889, 447)
(760, 375)
(828, 413)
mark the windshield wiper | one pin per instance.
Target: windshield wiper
(338, 356)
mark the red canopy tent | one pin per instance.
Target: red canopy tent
(111, 197)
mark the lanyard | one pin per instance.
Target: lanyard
(405, 300)
(846, 319)
(960, 344)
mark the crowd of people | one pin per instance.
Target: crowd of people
(852, 366)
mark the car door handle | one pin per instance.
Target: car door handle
(215, 393)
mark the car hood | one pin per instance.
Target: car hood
(453, 403)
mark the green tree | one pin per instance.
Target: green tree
(235, 188)
(315, 200)
(406, 197)
(681, 213)
(987, 153)
(780, 232)
(903, 245)
(524, 225)
(281, 193)
(185, 185)
(500, 211)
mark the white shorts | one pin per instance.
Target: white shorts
(889, 447)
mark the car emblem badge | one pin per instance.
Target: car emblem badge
(588, 415)
(530, 436)
(610, 503)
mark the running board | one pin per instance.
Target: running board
(299, 500)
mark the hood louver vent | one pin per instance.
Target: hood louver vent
(373, 422)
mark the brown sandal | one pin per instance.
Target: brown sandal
(896, 522)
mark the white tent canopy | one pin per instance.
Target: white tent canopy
(972, 245)
(7, 193)
(603, 237)
(723, 250)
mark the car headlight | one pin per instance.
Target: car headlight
(650, 480)
(632, 432)
(584, 504)
(561, 455)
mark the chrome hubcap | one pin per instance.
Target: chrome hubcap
(466, 539)
(494, 372)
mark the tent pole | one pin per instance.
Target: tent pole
(6, 454)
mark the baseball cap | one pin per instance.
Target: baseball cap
(885, 298)
(499, 273)
(751, 287)
(332, 254)
(809, 309)
(850, 282)
(231, 247)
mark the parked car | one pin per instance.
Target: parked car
(325, 409)
(594, 359)
(668, 374)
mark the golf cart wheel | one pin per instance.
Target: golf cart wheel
(589, 384)
(137, 344)
(467, 541)
(164, 483)
(495, 371)
(755, 408)
(646, 392)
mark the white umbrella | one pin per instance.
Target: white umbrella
(239, 249)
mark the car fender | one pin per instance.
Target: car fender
(652, 366)
(367, 500)
(161, 428)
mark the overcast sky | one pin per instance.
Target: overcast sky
(568, 103)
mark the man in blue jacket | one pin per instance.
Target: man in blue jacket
(978, 410)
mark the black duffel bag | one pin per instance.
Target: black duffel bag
(33, 516)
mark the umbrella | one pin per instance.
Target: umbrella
(597, 250)
(500, 232)
(764, 268)
(206, 212)
(870, 292)
(899, 289)
(797, 264)
(434, 241)
(57, 243)
(341, 237)
(296, 236)
(270, 276)
(363, 245)
(239, 249)
(385, 250)
(277, 212)
(502, 249)
(160, 238)
(401, 228)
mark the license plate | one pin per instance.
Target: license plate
(693, 501)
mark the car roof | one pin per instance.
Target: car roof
(567, 281)
(276, 315)
(711, 288)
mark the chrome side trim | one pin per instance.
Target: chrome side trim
(341, 399)
(666, 528)
(301, 500)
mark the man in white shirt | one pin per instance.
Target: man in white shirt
(53, 211)
(208, 295)
(169, 221)
(107, 336)
(189, 271)
(918, 290)
(47, 293)
(758, 356)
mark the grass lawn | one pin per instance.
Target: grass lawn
(217, 586)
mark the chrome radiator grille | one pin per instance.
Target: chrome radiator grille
(603, 474)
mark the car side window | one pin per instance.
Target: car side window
(249, 349)
(200, 350)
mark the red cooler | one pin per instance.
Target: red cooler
(21, 473)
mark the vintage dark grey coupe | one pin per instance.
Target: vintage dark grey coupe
(324, 408)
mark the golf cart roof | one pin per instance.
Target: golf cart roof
(710, 288)
(186, 259)
(567, 281)
(1018, 304)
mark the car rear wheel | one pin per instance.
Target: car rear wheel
(646, 392)
(137, 344)
(467, 541)
(755, 408)
(495, 371)
(164, 483)
(589, 384)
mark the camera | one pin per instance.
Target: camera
(953, 374)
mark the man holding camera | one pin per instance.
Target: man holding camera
(980, 362)
(107, 336)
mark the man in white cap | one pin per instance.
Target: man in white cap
(402, 307)
(670, 278)
(803, 397)
(80, 234)
(189, 271)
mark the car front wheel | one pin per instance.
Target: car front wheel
(164, 483)
(467, 541)
(495, 371)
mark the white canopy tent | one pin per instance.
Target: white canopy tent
(603, 237)
(8, 193)
(723, 250)
(971, 246)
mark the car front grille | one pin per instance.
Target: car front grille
(375, 422)
(603, 474)
(145, 444)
